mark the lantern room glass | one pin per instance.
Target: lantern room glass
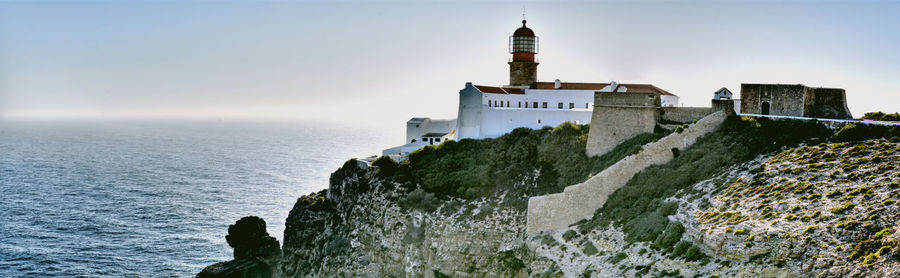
(523, 44)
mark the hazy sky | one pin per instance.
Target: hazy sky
(383, 62)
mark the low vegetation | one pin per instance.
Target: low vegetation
(639, 206)
(524, 162)
(881, 116)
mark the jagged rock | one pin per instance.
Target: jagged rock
(256, 254)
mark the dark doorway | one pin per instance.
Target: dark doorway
(765, 108)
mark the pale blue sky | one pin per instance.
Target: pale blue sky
(383, 62)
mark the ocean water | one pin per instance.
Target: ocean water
(154, 198)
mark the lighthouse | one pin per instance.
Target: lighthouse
(523, 45)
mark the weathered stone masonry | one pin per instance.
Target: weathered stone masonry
(794, 100)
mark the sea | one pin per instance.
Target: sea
(154, 197)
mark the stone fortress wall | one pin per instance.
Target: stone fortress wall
(618, 117)
(794, 100)
(828, 103)
(580, 201)
(683, 114)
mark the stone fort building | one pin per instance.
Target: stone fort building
(794, 100)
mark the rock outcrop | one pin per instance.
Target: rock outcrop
(366, 226)
(256, 254)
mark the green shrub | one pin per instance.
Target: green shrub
(386, 165)
(881, 116)
(872, 246)
(862, 131)
(835, 193)
(848, 224)
(810, 229)
(740, 232)
(671, 235)
(806, 218)
(693, 253)
(847, 205)
(590, 249)
(419, 199)
(618, 257)
(569, 235)
(680, 248)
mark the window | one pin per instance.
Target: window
(507, 104)
(585, 105)
(501, 104)
(489, 103)
(424, 139)
(545, 105)
(495, 103)
(535, 105)
(539, 121)
(559, 106)
(571, 105)
(520, 104)
(437, 139)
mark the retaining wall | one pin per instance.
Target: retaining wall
(580, 201)
(684, 114)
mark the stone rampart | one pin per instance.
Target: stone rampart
(827, 103)
(618, 117)
(580, 201)
(683, 114)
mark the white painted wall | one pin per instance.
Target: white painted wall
(580, 98)
(416, 127)
(499, 121)
(668, 101)
(479, 119)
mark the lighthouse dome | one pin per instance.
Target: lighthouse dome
(523, 31)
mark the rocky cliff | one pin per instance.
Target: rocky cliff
(757, 198)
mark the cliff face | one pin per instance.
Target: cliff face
(360, 228)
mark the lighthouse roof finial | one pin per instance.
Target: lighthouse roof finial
(523, 31)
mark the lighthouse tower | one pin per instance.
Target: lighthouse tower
(523, 45)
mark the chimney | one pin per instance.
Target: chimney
(557, 84)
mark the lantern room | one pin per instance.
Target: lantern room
(523, 44)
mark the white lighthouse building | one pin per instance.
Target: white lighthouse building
(491, 111)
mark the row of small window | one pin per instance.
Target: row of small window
(430, 140)
(534, 104)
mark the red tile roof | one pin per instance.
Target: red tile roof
(632, 88)
(499, 90)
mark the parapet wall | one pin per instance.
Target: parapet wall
(684, 114)
(826, 103)
(580, 201)
(618, 117)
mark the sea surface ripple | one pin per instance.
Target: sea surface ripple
(154, 198)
